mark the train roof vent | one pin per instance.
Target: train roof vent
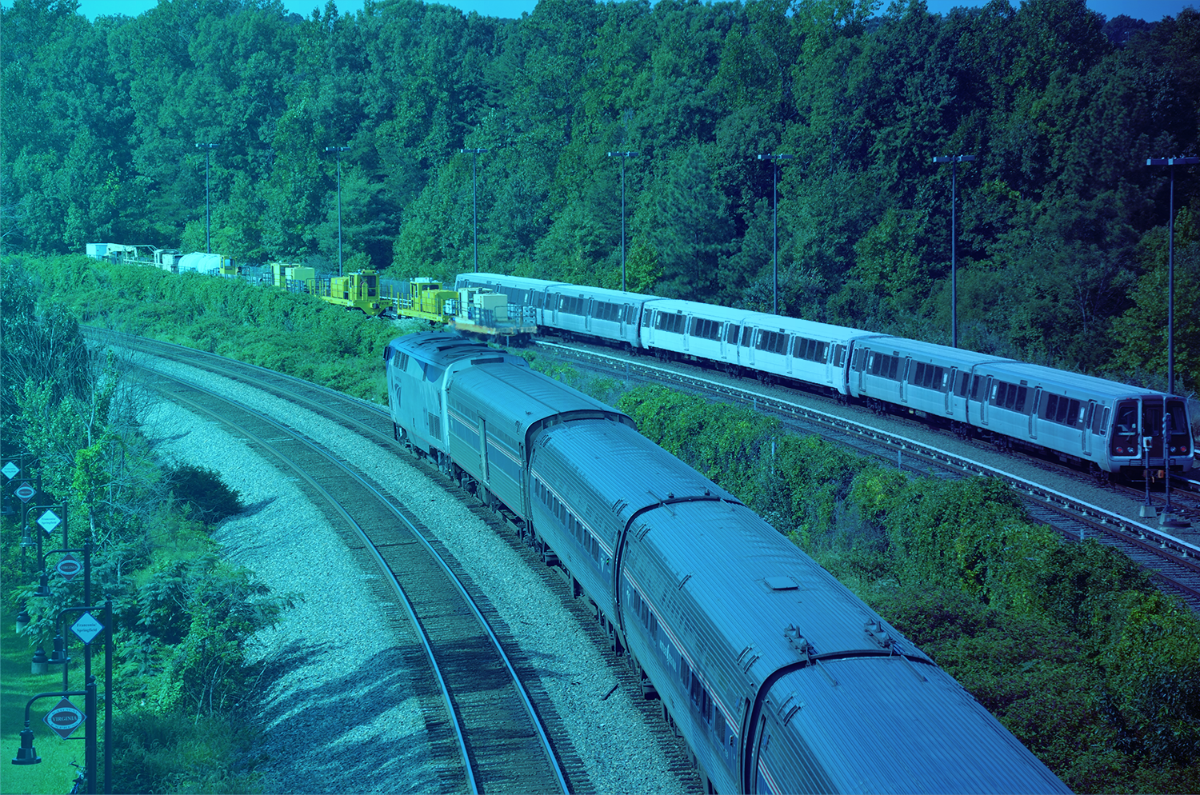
(781, 583)
(798, 642)
(874, 632)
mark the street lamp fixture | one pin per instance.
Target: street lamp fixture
(339, 150)
(475, 153)
(954, 161)
(624, 156)
(775, 225)
(207, 207)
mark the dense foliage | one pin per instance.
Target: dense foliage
(1069, 645)
(1062, 242)
(183, 617)
(287, 332)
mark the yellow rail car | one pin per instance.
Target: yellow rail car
(427, 301)
(358, 290)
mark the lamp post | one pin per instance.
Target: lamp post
(775, 224)
(954, 161)
(207, 208)
(339, 150)
(475, 153)
(1166, 518)
(624, 156)
(1172, 162)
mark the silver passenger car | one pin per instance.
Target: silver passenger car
(610, 316)
(770, 346)
(927, 379)
(1109, 426)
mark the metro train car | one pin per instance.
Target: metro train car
(923, 378)
(779, 679)
(610, 316)
(1111, 428)
(875, 369)
(770, 347)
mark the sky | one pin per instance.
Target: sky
(1149, 10)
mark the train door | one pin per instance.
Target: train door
(1152, 426)
(905, 372)
(1033, 415)
(748, 336)
(983, 395)
(483, 454)
(949, 396)
(1088, 417)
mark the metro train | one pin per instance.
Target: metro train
(1109, 428)
(778, 678)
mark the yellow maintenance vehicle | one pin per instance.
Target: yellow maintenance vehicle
(427, 301)
(358, 290)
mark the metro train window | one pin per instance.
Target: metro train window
(685, 671)
(1100, 420)
(1010, 396)
(771, 342)
(810, 350)
(960, 384)
(731, 335)
(705, 329)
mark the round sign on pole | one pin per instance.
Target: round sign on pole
(64, 719)
(25, 492)
(69, 566)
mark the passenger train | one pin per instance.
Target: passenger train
(1106, 427)
(779, 679)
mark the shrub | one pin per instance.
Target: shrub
(203, 490)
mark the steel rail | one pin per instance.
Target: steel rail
(527, 702)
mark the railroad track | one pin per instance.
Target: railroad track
(373, 423)
(490, 736)
(1172, 562)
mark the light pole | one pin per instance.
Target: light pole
(339, 150)
(1172, 162)
(1167, 519)
(624, 156)
(207, 211)
(775, 223)
(475, 153)
(954, 161)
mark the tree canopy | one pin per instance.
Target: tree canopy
(1061, 225)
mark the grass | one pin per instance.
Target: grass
(17, 686)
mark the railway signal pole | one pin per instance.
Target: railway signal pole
(475, 153)
(207, 207)
(339, 150)
(624, 156)
(775, 224)
(954, 161)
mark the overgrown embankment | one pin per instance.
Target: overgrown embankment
(291, 333)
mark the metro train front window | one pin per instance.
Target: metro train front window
(1124, 441)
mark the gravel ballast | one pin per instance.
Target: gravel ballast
(337, 710)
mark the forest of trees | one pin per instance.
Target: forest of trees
(1062, 241)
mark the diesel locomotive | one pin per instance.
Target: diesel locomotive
(779, 679)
